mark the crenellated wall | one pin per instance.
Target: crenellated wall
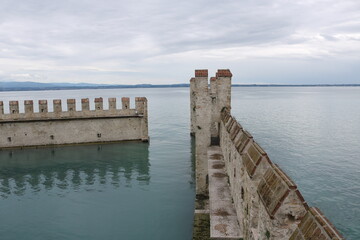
(205, 106)
(31, 128)
(266, 202)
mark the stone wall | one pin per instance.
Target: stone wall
(205, 106)
(267, 202)
(31, 128)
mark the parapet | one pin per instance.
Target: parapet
(279, 199)
(72, 126)
(252, 158)
(71, 111)
(315, 225)
(268, 203)
(274, 187)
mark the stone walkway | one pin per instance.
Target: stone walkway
(223, 219)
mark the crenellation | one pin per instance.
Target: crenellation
(29, 106)
(57, 111)
(71, 105)
(43, 106)
(227, 119)
(251, 210)
(244, 140)
(238, 140)
(224, 89)
(14, 107)
(229, 122)
(314, 225)
(251, 157)
(272, 191)
(85, 104)
(99, 104)
(71, 126)
(57, 108)
(1, 107)
(140, 104)
(235, 129)
(112, 104)
(141, 109)
(268, 203)
(125, 102)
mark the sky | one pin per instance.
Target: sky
(163, 42)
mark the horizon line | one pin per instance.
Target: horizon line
(51, 86)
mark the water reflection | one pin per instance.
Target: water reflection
(88, 168)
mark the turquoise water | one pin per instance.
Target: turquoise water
(146, 191)
(313, 133)
(129, 190)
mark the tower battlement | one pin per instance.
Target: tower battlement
(244, 193)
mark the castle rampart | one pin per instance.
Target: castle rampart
(249, 196)
(29, 129)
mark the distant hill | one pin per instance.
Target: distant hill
(30, 86)
(33, 86)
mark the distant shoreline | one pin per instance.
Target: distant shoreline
(30, 86)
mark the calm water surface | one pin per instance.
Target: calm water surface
(146, 191)
(313, 133)
(124, 191)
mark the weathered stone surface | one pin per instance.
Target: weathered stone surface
(272, 190)
(202, 125)
(85, 104)
(315, 225)
(244, 185)
(223, 219)
(14, 107)
(243, 141)
(201, 229)
(70, 127)
(125, 103)
(235, 130)
(43, 105)
(112, 103)
(99, 104)
(71, 105)
(57, 106)
(192, 106)
(1, 108)
(29, 106)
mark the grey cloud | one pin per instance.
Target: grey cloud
(137, 37)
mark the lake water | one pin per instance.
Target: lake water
(146, 191)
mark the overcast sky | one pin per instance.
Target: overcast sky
(160, 42)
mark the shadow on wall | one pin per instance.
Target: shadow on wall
(73, 167)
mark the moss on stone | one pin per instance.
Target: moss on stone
(201, 202)
(201, 230)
